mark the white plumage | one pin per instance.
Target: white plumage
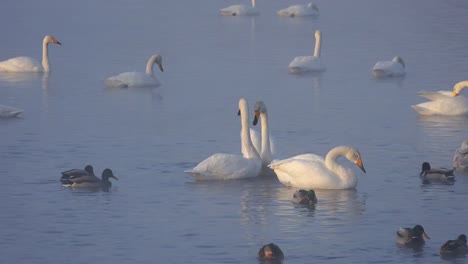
(304, 64)
(444, 102)
(300, 10)
(460, 158)
(137, 79)
(393, 68)
(240, 10)
(8, 111)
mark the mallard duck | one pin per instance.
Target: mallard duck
(440, 175)
(455, 247)
(75, 173)
(270, 252)
(305, 197)
(411, 236)
(91, 181)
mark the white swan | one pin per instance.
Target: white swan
(137, 79)
(28, 64)
(312, 171)
(457, 88)
(393, 68)
(221, 166)
(300, 10)
(460, 158)
(8, 111)
(260, 111)
(240, 10)
(303, 64)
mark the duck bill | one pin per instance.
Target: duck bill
(114, 177)
(359, 164)
(425, 235)
(256, 115)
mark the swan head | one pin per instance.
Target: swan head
(259, 108)
(50, 39)
(107, 173)
(354, 156)
(156, 58)
(459, 87)
(399, 60)
(313, 6)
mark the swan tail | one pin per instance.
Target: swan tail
(115, 83)
(422, 110)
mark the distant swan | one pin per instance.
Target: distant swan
(311, 171)
(28, 64)
(240, 10)
(443, 103)
(457, 88)
(137, 79)
(8, 111)
(300, 10)
(221, 166)
(460, 158)
(393, 68)
(303, 64)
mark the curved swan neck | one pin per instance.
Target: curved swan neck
(333, 155)
(318, 43)
(460, 86)
(45, 55)
(245, 131)
(149, 65)
(253, 3)
(266, 149)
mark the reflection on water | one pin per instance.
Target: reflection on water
(18, 77)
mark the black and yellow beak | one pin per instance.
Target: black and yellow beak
(256, 116)
(359, 164)
(238, 113)
(161, 67)
(55, 41)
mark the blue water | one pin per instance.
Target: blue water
(157, 214)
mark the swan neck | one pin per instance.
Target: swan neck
(318, 43)
(332, 156)
(460, 86)
(245, 133)
(149, 65)
(45, 56)
(253, 3)
(266, 149)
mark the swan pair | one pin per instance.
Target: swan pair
(304, 64)
(393, 68)
(444, 102)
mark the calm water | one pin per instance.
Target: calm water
(156, 213)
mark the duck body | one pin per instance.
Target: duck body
(137, 79)
(84, 179)
(305, 197)
(455, 247)
(411, 236)
(88, 171)
(460, 157)
(270, 252)
(393, 68)
(300, 10)
(439, 175)
(9, 112)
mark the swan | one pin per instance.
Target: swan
(411, 236)
(221, 166)
(300, 10)
(393, 68)
(455, 247)
(87, 180)
(440, 175)
(460, 158)
(311, 171)
(256, 138)
(137, 79)
(240, 10)
(270, 252)
(8, 111)
(260, 111)
(28, 64)
(449, 106)
(303, 64)
(457, 88)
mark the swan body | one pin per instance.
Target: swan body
(457, 88)
(137, 79)
(460, 158)
(311, 171)
(411, 236)
(300, 10)
(240, 10)
(28, 64)
(305, 197)
(88, 180)
(222, 166)
(440, 175)
(455, 247)
(450, 106)
(393, 68)
(8, 111)
(303, 64)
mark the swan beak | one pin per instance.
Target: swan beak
(256, 115)
(455, 93)
(359, 164)
(160, 67)
(238, 113)
(55, 41)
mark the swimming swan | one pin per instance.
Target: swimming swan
(300, 10)
(240, 10)
(303, 64)
(28, 64)
(457, 88)
(137, 79)
(393, 68)
(8, 111)
(310, 171)
(221, 166)
(460, 158)
(442, 103)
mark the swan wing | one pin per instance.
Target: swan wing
(21, 64)
(435, 95)
(131, 79)
(447, 106)
(304, 64)
(8, 111)
(223, 166)
(388, 68)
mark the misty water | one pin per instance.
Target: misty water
(156, 213)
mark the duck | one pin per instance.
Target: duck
(76, 173)
(455, 247)
(137, 79)
(305, 197)
(91, 181)
(411, 236)
(224, 166)
(28, 64)
(311, 171)
(300, 10)
(393, 68)
(460, 158)
(457, 88)
(304, 64)
(270, 252)
(440, 175)
(240, 10)
(9, 112)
